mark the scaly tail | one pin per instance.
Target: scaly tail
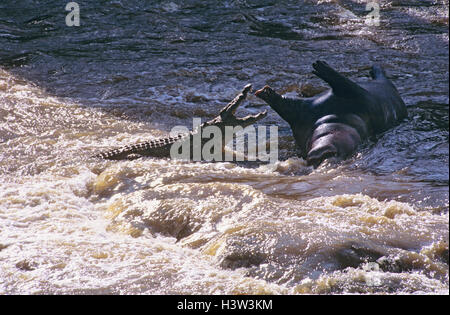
(161, 147)
(157, 148)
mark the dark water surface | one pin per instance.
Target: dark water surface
(377, 223)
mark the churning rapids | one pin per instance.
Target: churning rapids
(377, 223)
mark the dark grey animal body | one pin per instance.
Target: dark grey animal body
(334, 123)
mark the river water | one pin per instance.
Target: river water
(71, 224)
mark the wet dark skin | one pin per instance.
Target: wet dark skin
(333, 124)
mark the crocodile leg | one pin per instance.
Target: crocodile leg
(161, 147)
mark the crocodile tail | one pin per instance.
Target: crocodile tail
(157, 148)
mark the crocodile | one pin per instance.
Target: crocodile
(161, 148)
